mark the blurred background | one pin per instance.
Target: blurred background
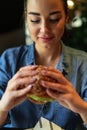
(77, 26)
(12, 31)
(13, 27)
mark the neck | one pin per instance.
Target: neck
(48, 56)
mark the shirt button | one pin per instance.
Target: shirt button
(45, 108)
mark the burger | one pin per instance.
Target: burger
(38, 92)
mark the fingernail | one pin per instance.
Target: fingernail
(30, 86)
(42, 82)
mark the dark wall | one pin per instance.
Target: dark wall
(11, 24)
(11, 12)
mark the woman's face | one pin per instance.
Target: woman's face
(46, 21)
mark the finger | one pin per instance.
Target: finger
(52, 69)
(26, 71)
(23, 92)
(60, 97)
(55, 74)
(29, 67)
(20, 83)
(55, 86)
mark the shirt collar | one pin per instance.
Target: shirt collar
(31, 55)
(63, 63)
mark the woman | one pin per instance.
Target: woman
(46, 23)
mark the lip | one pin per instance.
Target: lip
(45, 39)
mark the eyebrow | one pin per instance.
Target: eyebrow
(33, 13)
(55, 12)
(52, 13)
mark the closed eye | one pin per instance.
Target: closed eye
(54, 20)
(35, 21)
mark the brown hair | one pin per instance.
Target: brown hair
(65, 6)
(64, 3)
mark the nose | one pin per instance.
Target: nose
(44, 27)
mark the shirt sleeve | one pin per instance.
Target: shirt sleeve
(84, 94)
(85, 99)
(5, 75)
(8, 66)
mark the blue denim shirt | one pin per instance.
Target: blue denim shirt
(72, 63)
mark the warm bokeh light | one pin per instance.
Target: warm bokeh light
(70, 4)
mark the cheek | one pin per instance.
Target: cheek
(60, 29)
(33, 31)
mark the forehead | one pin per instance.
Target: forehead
(45, 5)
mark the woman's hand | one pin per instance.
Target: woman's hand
(18, 87)
(63, 91)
